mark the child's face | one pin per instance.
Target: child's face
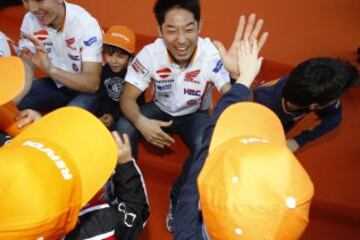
(117, 61)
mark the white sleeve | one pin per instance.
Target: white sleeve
(140, 70)
(4, 46)
(26, 27)
(92, 41)
(216, 72)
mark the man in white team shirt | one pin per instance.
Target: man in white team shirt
(182, 68)
(64, 41)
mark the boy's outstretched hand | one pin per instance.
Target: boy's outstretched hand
(248, 62)
(124, 148)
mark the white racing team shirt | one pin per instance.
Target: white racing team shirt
(78, 40)
(178, 91)
(7, 46)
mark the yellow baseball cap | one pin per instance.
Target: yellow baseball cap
(121, 37)
(12, 74)
(252, 186)
(50, 171)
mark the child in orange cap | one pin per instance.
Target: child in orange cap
(56, 170)
(118, 49)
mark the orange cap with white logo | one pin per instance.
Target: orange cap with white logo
(252, 186)
(121, 37)
(50, 171)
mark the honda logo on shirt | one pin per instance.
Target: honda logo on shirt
(190, 76)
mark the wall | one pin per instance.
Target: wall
(320, 27)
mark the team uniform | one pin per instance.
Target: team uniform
(7, 46)
(178, 91)
(121, 213)
(270, 95)
(79, 40)
(182, 95)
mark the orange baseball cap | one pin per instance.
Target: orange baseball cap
(12, 74)
(252, 186)
(50, 171)
(121, 37)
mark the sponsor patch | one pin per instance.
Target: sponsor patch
(139, 68)
(74, 58)
(42, 35)
(163, 94)
(192, 92)
(190, 76)
(218, 66)
(164, 81)
(192, 102)
(91, 41)
(164, 73)
(69, 42)
(75, 67)
(163, 87)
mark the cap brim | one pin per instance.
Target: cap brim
(84, 138)
(12, 74)
(247, 119)
(110, 43)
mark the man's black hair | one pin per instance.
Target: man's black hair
(161, 7)
(319, 80)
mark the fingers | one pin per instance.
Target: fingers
(165, 124)
(31, 38)
(117, 138)
(254, 34)
(220, 47)
(27, 53)
(37, 43)
(126, 140)
(249, 26)
(24, 122)
(262, 40)
(240, 29)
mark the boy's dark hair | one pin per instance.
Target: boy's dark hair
(110, 50)
(319, 80)
(161, 7)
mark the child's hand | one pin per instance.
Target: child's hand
(124, 148)
(107, 119)
(248, 62)
(26, 117)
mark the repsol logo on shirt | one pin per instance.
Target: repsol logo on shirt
(59, 163)
(192, 92)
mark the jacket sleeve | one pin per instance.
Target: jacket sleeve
(330, 117)
(132, 200)
(187, 216)
(123, 217)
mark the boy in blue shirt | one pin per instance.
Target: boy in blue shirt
(313, 86)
